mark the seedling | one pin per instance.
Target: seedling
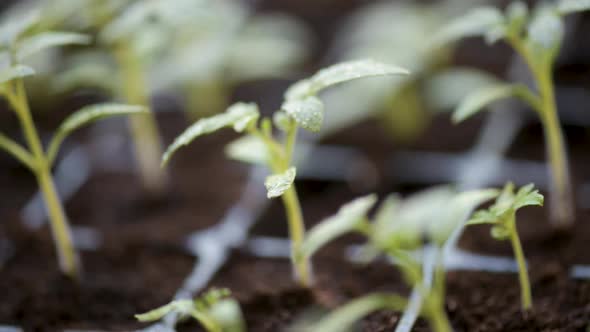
(398, 230)
(301, 108)
(537, 39)
(214, 310)
(15, 46)
(502, 215)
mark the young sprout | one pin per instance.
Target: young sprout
(214, 310)
(502, 215)
(15, 47)
(537, 38)
(399, 230)
(301, 108)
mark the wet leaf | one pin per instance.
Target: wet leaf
(308, 112)
(277, 184)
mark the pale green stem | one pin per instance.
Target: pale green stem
(437, 316)
(562, 208)
(523, 276)
(302, 266)
(67, 256)
(143, 127)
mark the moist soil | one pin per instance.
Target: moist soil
(141, 262)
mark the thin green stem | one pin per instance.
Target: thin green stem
(437, 316)
(67, 256)
(144, 130)
(523, 276)
(208, 323)
(562, 209)
(302, 266)
(18, 152)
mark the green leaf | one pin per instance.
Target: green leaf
(572, 6)
(499, 232)
(546, 31)
(344, 317)
(14, 26)
(340, 73)
(403, 224)
(228, 314)
(475, 23)
(507, 204)
(239, 115)
(85, 116)
(277, 184)
(348, 217)
(308, 112)
(15, 72)
(281, 120)
(249, 149)
(478, 100)
(182, 307)
(42, 41)
(456, 212)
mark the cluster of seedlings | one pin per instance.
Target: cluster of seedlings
(413, 232)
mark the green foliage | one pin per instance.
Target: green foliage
(301, 108)
(85, 116)
(14, 72)
(500, 213)
(349, 218)
(344, 317)
(537, 38)
(421, 222)
(39, 42)
(340, 73)
(277, 184)
(502, 216)
(239, 116)
(214, 310)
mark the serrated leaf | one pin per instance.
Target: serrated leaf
(475, 23)
(249, 149)
(478, 100)
(42, 41)
(572, 6)
(14, 72)
(239, 115)
(507, 203)
(308, 112)
(183, 307)
(85, 116)
(345, 220)
(340, 73)
(546, 30)
(277, 184)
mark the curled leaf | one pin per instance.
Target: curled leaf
(45, 40)
(340, 73)
(182, 307)
(239, 115)
(249, 149)
(14, 72)
(475, 23)
(348, 217)
(87, 115)
(478, 100)
(308, 112)
(277, 184)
